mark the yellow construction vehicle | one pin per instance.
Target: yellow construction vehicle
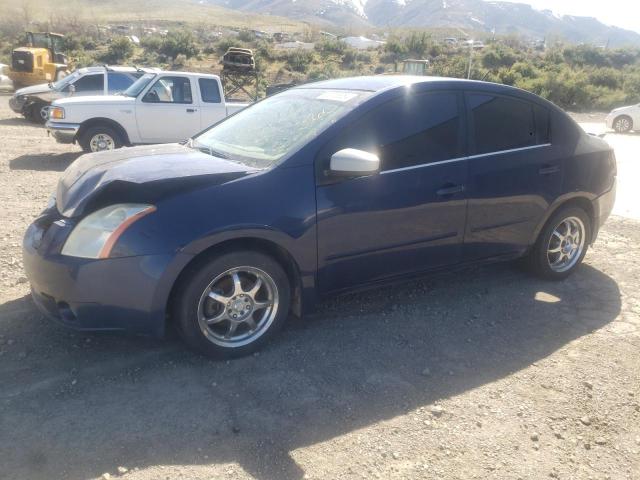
(40, 61)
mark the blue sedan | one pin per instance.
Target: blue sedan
(318, 190)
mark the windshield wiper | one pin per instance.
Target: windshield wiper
(191, 143)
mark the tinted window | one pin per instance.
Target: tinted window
(501, 123)
(543, 134)
(90, 83)
(170, 90)
(408, 131)
(119, 82)
(209, 90)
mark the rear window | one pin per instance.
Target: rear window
(209, 90)
(119, 82)
(90, 83)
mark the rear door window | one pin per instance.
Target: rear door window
(209, 90)
(501, 123)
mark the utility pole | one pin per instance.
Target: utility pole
(470, 58)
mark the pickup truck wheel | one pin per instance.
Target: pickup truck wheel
(100, 138)
(232, 304)
(37, 112)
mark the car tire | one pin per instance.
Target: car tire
(623, 124)
(562, 244)
(100, 138)
(231, 305)
(35, 113)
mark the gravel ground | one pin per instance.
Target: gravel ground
(483, 373)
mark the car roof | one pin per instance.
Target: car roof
(381, 83)
(115, 68)
(189, 74)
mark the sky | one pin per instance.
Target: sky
(621, 13)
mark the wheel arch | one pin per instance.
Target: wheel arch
(94, 122)
(266, 246)
(579, 200)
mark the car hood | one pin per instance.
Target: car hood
(139, 174)
(33, 90)
(95, 100)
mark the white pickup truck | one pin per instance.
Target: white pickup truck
(161, 107)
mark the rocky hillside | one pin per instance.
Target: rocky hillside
(468, 15)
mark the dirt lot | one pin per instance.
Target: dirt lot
(485, 373)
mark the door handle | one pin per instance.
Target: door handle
(191, 110)
(450, 190)
(549, 169)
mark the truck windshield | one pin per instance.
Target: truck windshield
(63, 82)
(137, 86)
(261, 135)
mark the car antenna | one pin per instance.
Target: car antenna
(106, 67)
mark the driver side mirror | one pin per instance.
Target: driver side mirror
(72, 89)
(351, 162)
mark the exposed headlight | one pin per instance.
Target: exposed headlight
(97, 233)
(56, 113)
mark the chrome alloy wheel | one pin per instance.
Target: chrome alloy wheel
(44, 113)
(101, 141)
(238, 306)
(566, 244)
(622, 125)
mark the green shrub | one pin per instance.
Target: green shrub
(179, 42)
(498, 56)
(120, 49)
(332, 46)
(299, 60)
(151, 43)
(227, 42)
(246, 36)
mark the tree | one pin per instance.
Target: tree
(179, 42)
(119, 50)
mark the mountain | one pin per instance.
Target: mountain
(469, 15)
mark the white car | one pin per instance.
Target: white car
(162, 107)
(5, 81)
(624, 119)
(33, 102)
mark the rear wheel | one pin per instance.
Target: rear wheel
(100, 138)
(622, 124)
(562, 244)
(232, 304)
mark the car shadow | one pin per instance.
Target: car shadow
(85, 404)
(56, 162)
(18, 122)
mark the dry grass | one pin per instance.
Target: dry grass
(149, 11)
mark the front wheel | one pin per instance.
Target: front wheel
(562, 244)
(37, 112)
(100, 138)
(232, 304)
